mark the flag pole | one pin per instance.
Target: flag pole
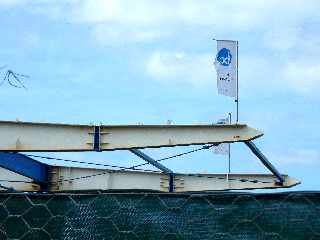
(237, 95)
(229, 150)
(229, 153)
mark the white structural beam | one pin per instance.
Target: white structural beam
(27, 136)
(67, 179)
(15, 181)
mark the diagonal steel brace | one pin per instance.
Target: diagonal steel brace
(156, 164)
(264, 160)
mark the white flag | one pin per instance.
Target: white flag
(222, 148)
(226, 67)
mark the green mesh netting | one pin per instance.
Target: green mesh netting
(223, 216)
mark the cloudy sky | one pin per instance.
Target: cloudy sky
(128, 62)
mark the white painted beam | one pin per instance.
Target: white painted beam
(24, 136)
(16, 181)
(67, 179)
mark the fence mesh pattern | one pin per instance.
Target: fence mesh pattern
(223, 216)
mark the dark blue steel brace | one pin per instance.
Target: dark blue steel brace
(157, 165)
(265, 161)
(27, 167)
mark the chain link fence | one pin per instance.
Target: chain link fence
(105, 215)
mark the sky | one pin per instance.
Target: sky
(150, 62)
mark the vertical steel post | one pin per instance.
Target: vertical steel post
(97, 139)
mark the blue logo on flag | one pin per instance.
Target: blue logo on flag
(224, 57)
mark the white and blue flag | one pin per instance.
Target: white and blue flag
(226, 67)
(222, 148)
